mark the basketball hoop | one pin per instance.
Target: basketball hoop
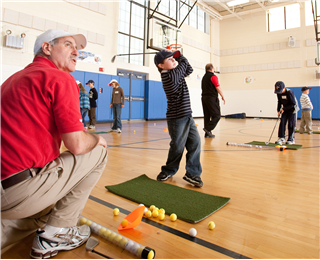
(174, 46)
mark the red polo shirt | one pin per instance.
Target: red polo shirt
(38, 104)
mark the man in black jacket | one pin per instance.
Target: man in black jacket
(93, 96)
(210, 100)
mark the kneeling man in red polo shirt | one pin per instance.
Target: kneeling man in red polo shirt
(41, 189)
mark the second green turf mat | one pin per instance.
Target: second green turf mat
(289, 146)
(189, 205)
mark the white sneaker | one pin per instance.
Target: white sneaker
(290, 142)
(281, 141)
(119, 130)
(91, 127)
(46, 246)
(112, 130)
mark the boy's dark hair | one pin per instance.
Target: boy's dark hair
(159, 69)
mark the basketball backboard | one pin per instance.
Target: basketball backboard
(163, 35)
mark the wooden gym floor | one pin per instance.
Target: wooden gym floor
(274, 206)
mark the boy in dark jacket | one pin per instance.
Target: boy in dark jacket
(287, 108)
(174, 67)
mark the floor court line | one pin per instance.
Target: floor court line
(199, 241)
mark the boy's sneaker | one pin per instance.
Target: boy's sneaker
(91, 127)
(118, 130)
(45, 246)
(281, 141)
(112, 130)
(290, 142)
(162, 176)
(195, 180)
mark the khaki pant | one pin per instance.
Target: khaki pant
(56, 196)
(306, 122)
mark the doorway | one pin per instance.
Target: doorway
(133, 85)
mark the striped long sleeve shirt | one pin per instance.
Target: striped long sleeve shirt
(176, 89)
(305, 102)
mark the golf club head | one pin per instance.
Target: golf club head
(91, 243)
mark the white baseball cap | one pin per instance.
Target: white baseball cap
(113, 81)
(47, 36)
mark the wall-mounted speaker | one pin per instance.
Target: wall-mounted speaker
(292, 41)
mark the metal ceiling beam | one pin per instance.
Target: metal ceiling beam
(208, 9)
(262, 6)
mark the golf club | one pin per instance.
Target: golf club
(114, 57)
(93, 242)
(273, 130)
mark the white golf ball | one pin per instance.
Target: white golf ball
(192, 232)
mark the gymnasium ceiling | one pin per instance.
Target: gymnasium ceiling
(218, 9)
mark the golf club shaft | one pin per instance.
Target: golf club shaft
(98, 253)
(136, 53)
(274, 128)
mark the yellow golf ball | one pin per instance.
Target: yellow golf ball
(150, 255)
(148, 214)
(89, 222)
(112, 236)
(124, 223)
(173, 217)
(106, 233)
(123, 242)
(117, 239)
(161, 216)
(152, 207)
(116, 212)
(162, 211)
(82, 221)
(155, 213)
(101, 231)
(211, 225)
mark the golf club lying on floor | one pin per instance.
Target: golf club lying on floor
(93, 242)
(273, 130)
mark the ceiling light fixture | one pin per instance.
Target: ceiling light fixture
(237, 2)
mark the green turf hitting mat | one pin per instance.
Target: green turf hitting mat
(289, 146)
(313, 131)
(189, 205)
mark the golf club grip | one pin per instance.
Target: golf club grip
(98, 253)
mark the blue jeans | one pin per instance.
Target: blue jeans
(116, 116)
(184, 134)
(84, 112)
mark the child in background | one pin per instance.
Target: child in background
(84, 103)
(93, 96)
(117, 103)
(287, 108)
(306, 107)
(183, 131)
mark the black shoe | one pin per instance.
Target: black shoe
(208, 134)
(162, 176)
(194, 180)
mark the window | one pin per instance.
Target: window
(131, 31)
(292, 16)
(309, 14)
(285, 17)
